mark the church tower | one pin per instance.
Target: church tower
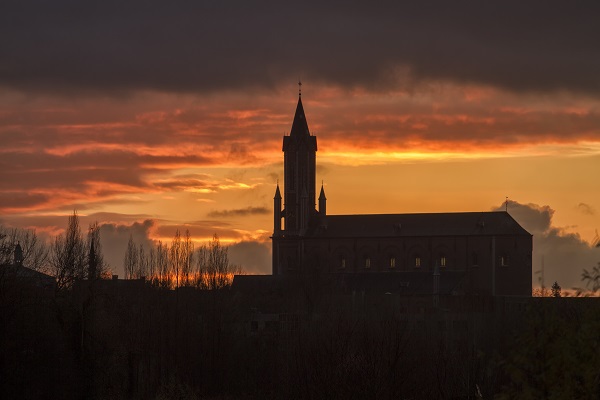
(299, 149)
(299, 200)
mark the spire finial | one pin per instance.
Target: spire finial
(299, 88)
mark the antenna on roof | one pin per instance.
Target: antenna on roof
(506, 204)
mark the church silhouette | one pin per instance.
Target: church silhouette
(485, 253)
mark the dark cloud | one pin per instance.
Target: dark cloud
(114, 238)
(111, 46)
(563, 254)
(253, 257)
(115, 230)
(586, 209)
(240, 212)
(200, 229)
(21, 200)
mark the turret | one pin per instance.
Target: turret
(277, 211)
(18, 255)
(322, 203)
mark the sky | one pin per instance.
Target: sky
(152, 116)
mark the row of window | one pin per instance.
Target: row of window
(417, 261)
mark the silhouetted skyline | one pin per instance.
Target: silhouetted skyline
(153, 117)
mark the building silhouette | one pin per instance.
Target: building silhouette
(484, 253)
(21, 277)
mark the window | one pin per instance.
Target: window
(504, 260)
(475, 260)
(417, 262)
(343, 263)
(392, 262)
(442, 261)
(367, 262)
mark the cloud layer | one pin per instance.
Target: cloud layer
(116, 47)
(564, 255)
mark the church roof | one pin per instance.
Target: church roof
(430, 224)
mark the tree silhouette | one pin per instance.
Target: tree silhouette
(592, 278)
(35, 251)
(131, 259)
(97, 267)
(68, 259)
(556, 289)
(214, 269)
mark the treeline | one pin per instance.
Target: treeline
(68, 257)
(73, 255)
(180, 264)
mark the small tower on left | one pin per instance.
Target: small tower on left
(18, 255)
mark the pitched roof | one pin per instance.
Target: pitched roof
(430, 224)
(16, 271)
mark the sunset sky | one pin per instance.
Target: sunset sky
(151, 116)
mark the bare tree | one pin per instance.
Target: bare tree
(142, 264)
(68, 256)
(187, 258)
(162, 265)
(4, 247)
(35, 251)
(152, 265)
(215, 270)
(131, 259)
(176, 257)
(97, 267)
(592, 278)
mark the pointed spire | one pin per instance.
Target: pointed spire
(322, 202)
(322, 194)
(277, 193)
(299, 126)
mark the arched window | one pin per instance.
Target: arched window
(367, 262)
(504, 260)
(417, 261)
(343, 262)
(475, 260)
(392, 262)
(443, 261)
